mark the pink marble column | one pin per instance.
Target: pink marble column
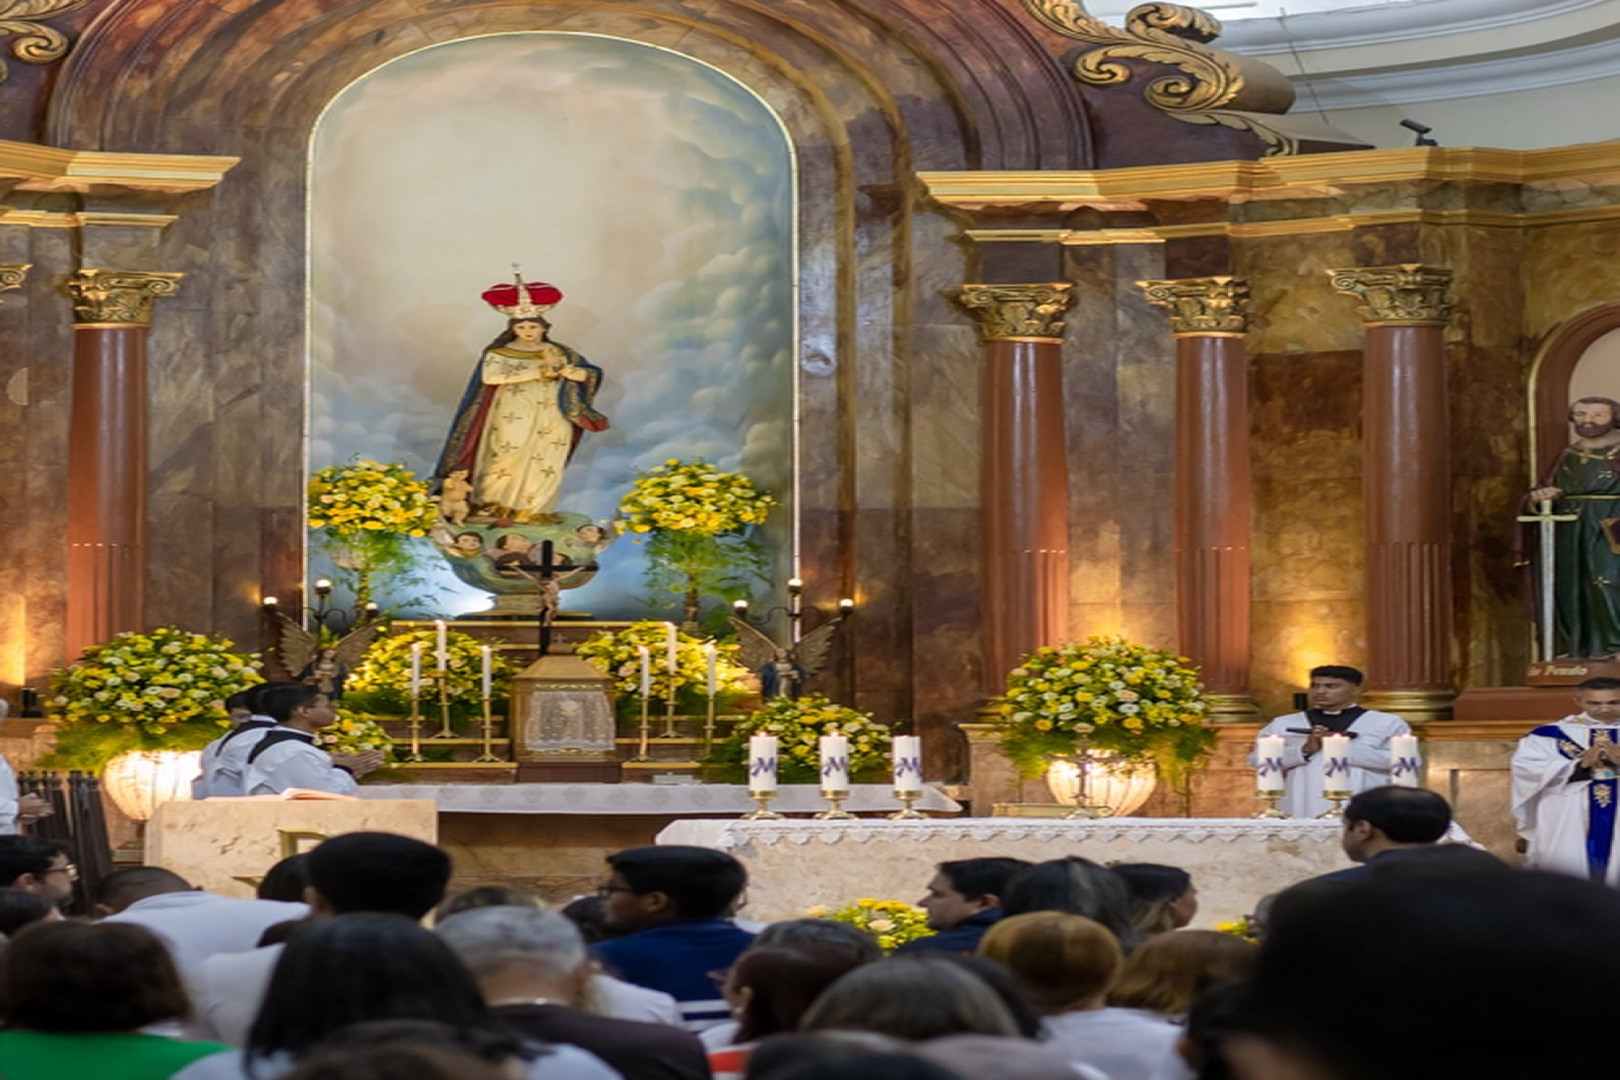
(1406, 486)
(1212, 489)
(1025, 471)
(106, 529)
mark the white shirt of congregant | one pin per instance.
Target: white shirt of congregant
(1303, 780)
(1126, 1044)
(224, 759)
(1551, 813)
(196, 925)
(294, 763)
(557, 1062)
(8, 799)
(226, 990)
(607, 996)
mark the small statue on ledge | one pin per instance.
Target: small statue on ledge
(784, 668)
(323, 666)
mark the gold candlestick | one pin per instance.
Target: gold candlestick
(669, 731)
(445, 730)
(1272, 799)
(416, 723)
(835, 810)
(642, 753)
(708, 728)
(762, 807)
(906, 813)
(1339, 798)
(489, 736)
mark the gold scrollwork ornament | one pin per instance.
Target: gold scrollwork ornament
(119, 296)
(1212, 305)
(1018, 311)
(1409, 294)
(12, 275)
(36, 43)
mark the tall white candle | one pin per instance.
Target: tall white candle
(669, 647)
(709, 650)
(834, 763)
(646, 671)
(762, 763)
(1268, 764)
(416, 667)
(443, 651)
(487, 668)
(1336, 763)
(907, 763)
(1404, 760)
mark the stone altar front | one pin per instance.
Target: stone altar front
(797, 864)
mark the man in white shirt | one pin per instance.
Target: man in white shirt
(363, 871)
(193, 924)
(224, 759)
(1564, 787)
(286, 756)
(1333, 710)
(16, 809)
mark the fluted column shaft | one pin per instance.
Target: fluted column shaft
(1406, 486)
(1025, 472)
(1212, 496)
(107, 460)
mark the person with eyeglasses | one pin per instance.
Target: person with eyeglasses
(37, 867)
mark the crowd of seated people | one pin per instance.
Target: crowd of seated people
(355, 964)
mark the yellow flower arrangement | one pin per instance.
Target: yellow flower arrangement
(1139, 702)
(891, 923)
(798, 726)
(693, 497)
(614, 653)
(353, 733)
(382, 682)
(164, 690)
(370, 496)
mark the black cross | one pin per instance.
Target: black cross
(544, 572)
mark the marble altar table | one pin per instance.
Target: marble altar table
(667, 800)
(799, 863)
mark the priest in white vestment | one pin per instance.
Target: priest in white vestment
(1564, 781)
(1333, 693)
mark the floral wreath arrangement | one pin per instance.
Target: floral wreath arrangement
(696, 519)
(381, 683)
(891, 923)
(352, 734)
(367, 511)
(798, 725)
(164, 690)
(1141, 703)
(614, 653)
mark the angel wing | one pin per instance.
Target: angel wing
(297, 646)
(353, 645)
(815, 647)
(756, 648)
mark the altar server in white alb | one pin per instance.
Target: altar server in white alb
(1333, 711)
(286, 756)
(1564, 787)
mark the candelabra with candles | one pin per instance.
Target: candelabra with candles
(333, 621)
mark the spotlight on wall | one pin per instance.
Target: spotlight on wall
(1421, 131)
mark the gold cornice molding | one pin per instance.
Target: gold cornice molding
(1307, 176)
(1208, 305)
(1018, 312)
(118, 297)
(1410, 294)
(36, 42)
(33, 167)
(12, 275)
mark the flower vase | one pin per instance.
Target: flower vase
(1098, 783)
(139, 780)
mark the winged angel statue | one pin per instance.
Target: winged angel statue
(783, 668)
(324, 666)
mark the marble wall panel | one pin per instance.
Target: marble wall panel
(1567, 269)
(1294, 309)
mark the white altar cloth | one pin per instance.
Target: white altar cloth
(800, 863)
(667, 799)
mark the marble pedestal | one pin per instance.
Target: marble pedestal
(797, 864)
(217, 843)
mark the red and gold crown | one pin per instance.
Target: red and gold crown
(522, 299)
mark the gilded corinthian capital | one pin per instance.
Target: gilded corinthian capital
(119, 297)
(1018, 311)
(1406, 295)
(12, 274)
(1210, 305)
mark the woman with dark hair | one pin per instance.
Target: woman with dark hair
(410, 1050)
(356, 968)
(769, 990)
(74, 996)
(1079, 887)
(913, 998)
(1162, 897)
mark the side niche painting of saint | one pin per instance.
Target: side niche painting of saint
(528, 403)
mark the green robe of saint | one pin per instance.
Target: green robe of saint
(1586, 561)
